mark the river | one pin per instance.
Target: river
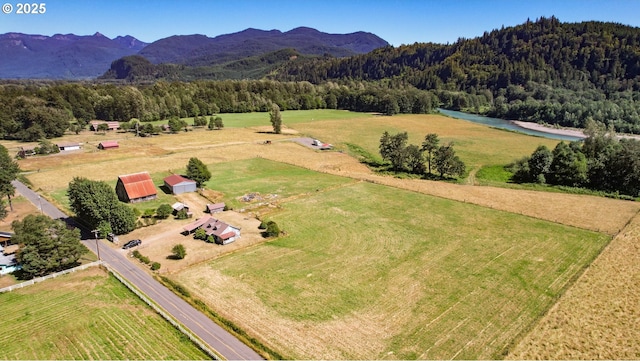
(503, 124)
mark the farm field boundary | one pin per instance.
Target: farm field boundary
(48, 277)
(597, 317)
(87, 314)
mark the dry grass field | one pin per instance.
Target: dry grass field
(599, 315)
(379, 326)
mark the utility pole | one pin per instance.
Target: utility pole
(95, 234)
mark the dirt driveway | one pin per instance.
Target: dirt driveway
(159, 239)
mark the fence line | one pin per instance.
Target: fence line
(164, 315)
(53, 275)
(143, 297)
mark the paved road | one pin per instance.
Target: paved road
(211, 333)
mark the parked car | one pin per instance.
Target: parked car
(132, 243)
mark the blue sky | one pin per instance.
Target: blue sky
(397, 21)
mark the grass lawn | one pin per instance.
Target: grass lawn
(369, 271)
(86, 315)
(289, 117)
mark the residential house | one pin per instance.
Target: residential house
(222, 232)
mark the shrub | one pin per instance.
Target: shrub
(179, 251)
(155, 266)
(182, 214)
(164, 211)
(200, 234)
(272, 229)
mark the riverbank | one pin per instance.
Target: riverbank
(571, 132)
(544, 129)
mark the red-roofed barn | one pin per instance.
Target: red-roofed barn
(138, 187)
(109, 144)
(178, 184)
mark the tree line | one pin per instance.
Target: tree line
(419, 160)
(602, 162)
(33, 111)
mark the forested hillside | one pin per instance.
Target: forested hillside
(542, 71)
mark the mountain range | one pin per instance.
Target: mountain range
(72, 56)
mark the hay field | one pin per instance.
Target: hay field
(86, 315)
(477, 145)
(597, 319)
(369, 271)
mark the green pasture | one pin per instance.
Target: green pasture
(258, 175)
(86, 315)
(452, 280)
(289, 117)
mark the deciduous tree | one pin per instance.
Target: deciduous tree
(429, 145)
(179, 251)
(447, 162)
(96, 203)
(392, 149)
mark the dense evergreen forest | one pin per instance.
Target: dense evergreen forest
(542, 71)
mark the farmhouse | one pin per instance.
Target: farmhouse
(178, 184)
(68, 146)
(109, 144)
(222, 232)
(215, 208)
(133, 188)
(94, 124)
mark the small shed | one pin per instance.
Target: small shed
(178, 184)
(109, 144)
(215, 208)
(178, 206)
(138, 187)
(68, 146)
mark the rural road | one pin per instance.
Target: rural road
(199, 324)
